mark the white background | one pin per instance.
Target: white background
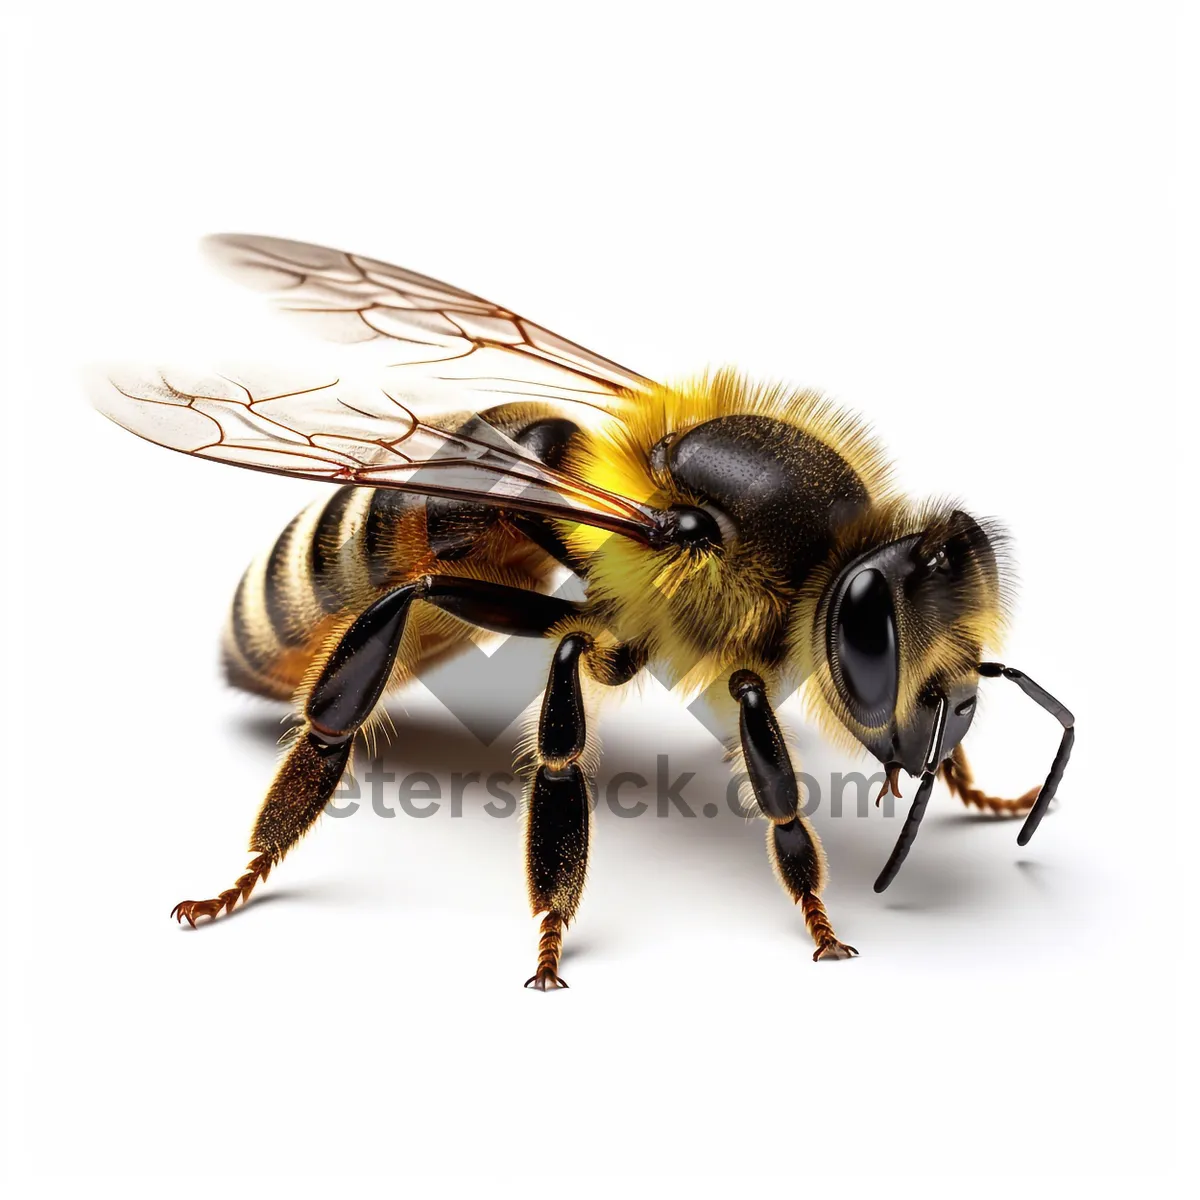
(960, 222)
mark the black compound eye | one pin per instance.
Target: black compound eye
(865, 644)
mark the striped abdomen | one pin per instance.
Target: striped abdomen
(345, 550)
(330, 562)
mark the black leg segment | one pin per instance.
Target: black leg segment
(357, 671)
(796, 856)
(497, 607)
(792, 843)
(353, 679)
(558, 839)
(559, 817)
(562, 727)
(559, 811)
(767, 760)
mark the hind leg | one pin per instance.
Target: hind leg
(339, 702)
(342, 698)
(305, 780)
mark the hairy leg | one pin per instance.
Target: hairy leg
(342, 697)
(558, 822)
(792, 843)
(956, 771)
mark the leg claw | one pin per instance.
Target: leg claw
(832, 948)
(189, 910)
(546, 980)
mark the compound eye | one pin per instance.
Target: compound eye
(865, 645)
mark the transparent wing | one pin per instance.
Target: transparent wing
(451, 334)
(350, 432)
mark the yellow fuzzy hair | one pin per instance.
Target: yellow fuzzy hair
(615, 454)
(735, 600)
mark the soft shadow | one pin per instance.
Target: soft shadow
(725, 851)
(1037, 875)
(975, 819)
(264, 725)
(574, 948)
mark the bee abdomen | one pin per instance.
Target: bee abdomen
(393, 536)
(343, 551)
(333, 551)
(317, 568)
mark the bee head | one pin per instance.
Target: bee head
(904, 609)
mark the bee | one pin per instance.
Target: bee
(727, 532)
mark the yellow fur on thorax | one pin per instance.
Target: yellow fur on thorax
(614, 455)
(646, 588)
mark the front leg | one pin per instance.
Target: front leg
(792, 844)
(956, 771)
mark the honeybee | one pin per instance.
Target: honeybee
(723, 530)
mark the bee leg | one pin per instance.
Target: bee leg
(344, 695)
(792, 843)
(341, 699)
(559, 816)
(559, 809)
(956, 771)
(305, 780)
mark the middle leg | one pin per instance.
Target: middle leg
(558, 821)
(343, 696)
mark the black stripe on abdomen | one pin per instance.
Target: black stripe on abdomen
(328, 552)
(281, 606)
(379, 533)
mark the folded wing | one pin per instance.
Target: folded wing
(450, 334)
(350, 432)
